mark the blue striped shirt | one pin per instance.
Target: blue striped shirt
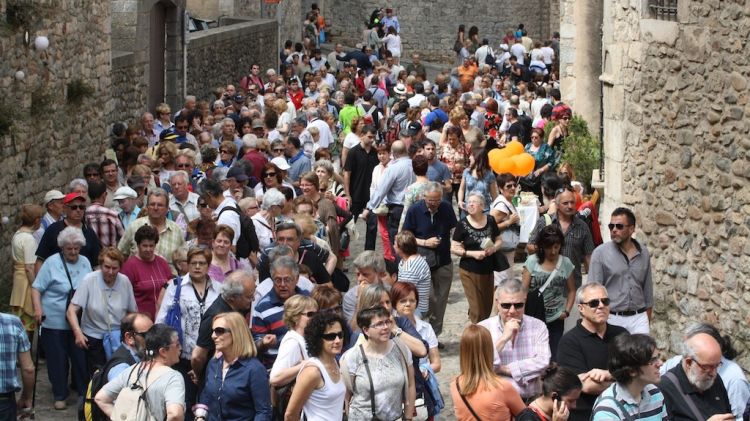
(615, 400)
(13, 341)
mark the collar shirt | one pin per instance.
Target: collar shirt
(397, 176)
(391, 21)
(13, 341)
(189, 209)
(128, 218)
(710, 402)
(268, 318)
(425, 224)
(628, 281)
(106, 224)
(578, 242)
(616, 399)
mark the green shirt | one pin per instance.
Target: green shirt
(346, 115)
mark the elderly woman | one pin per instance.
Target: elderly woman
(23, 253)
(476, 239)
(52, 289)
(298, 310)
(236, 386)
(334, 186)
(227, 154)
(223, 261)
(193, 293)
(265, 220)
(455, 153)
(105, 297)
(320, 391)
(379, 375)
(147, 271)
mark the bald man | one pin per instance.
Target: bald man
(693, 389)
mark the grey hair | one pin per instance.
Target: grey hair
(245, 203)
(285, 262)
(510, 286)
(179, 173)
(370, 296)
(585, 287)
(71, 235)
(78, 182)
(278, 251)
(227, 120)
(234, 284)
(370, 259)
(145, 159)
(272, 197)
(158, 192)
(219, 102)
(432, 187)
(312, 113)
(698, 328)
(325, 164)
(189, 153)
(478, 195)
(190, 98)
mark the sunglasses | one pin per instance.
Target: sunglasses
(278, 150)
(76, 207)
(218, 331)
(332, 336)
(507, 306)
(223, 151)
(510, 186)
(310, 313)
(269, 174)
(183, 165)
(141, 334)
(595, 302)
(181, 127)
(202, 205)
(92, 174)
(618, 226)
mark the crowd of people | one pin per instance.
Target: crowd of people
(204, 267)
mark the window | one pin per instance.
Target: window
(662, 9)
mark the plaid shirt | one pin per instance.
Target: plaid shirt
(526, 357)
(577, 245)
(13, 341)
(170, 239)
(106, 224)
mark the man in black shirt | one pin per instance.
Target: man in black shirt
(584, 349)
(693, 389)
(360, 161)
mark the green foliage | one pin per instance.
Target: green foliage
(581, 150)
(78, 90)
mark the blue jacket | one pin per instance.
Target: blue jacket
(243, 395)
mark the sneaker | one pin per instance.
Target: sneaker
(60, 405)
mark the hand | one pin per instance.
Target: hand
(490, 251)
(559, 411)
(269, 341)
(721, 417)
(511, 328)
(424, 374)
(364, 214)
(329, 195)
(461, 205)
(432, 242)
(478, 255)
(193, 376)
(564, 315)
(514, 219)
(81, 340)
(599, 376)
(38, 316)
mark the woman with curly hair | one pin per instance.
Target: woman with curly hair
(455, 154)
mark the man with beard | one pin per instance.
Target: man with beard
(693, 389)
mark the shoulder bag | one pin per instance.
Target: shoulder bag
(174, 315)
(466, 402)
(281, 395)
(511, 236)
(535, 299)
(685, 397)
(72, 291)
(372, 387)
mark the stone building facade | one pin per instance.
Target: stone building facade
(676, 103)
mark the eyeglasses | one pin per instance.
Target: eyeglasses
(181, 127)
(595, 302)
(202, 205)
(198, 263)
(282, 281)
(381, 324)
(509, 186)
(218, 331)
(278, 150)
(618, 226)
(183, 165)
(76, 207)
(707, 367)
(310, 313)
(507, 306)
(332, 336)
(253, 207)
(322, 190)
(223, 151)
(335, 309)
(566, 118)
(269, 174)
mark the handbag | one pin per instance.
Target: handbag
(281, 395)
(511, 236)
(466, 402)
(535, 299)
(72, 291)
(499, 261)
(430, 255)
(174, 315)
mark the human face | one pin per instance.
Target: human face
(146, 250)
(551, 252)
(571, 397)
(244, 302)
(179, 188)
(141, 325)
(182, 163)
(71, 252)
(157, 207)
(278, 150)
(110, 268)
(429, 151)
(198, 267)
(335, 345)
(231, 90)
(204, 209)
(305, 317)
(221, 335)
(702, 374)
(650, 372)
(597, 315)
(379, 330)
(92, 175)
(255, 70)
(305, 209)
(56, 207)
(227, 129)
(566, 203)
(288, 237)
(384, 157)
(181, 127)
(110, 174)
(367, 275)
(536, 139)
(221, 245)
(433, 199)
(308, 188)
(385, 301)
(147, 122)
(172, 352)
(514, 311)
(474, 206)
(406, 305)
(284, 282)
(453, 139)
(620, 235)
(75, 209)
(270, 178)
(368, 139)
(252, 209)
(322, 174)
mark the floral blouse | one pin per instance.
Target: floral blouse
(457, 159)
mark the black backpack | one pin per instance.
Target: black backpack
(248, 241)
(88, 410)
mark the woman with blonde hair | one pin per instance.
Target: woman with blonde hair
(298, 310)
(478, 393)
(23, 253)
(236, 385)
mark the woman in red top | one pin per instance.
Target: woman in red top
(146, 270)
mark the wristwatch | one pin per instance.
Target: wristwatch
(398, 333)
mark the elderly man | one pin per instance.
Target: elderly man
(16, 353)
(693, 389)
(299, 163)
(147, 129)
(253, 155)
(578, 244)
(314, 120)
(53, 201)
(338, 51)
(104, 221)
(74, 205)
(268, 326)
(183, 201)
(320, 261)
(431, 221)
(416, 67)
(623, 266)
(133, 328)
(521, 342)
(584, 349)
(171, 237)
(237, 294)
(189, 105)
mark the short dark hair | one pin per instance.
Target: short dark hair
(419, 163)
(617, 212)
(555, 94)
(551, 183)
(559, 380)
(504, 178)
(547, 237)
(107, 162)
(317, 326)
(97, 189)
(159, 336)
(90, 168)
(433, 99)
(627, 354)
(182, 117)
(294, 140)
(349, 98)
(364, 317)
(211, 187)
(369, 129)
(146, 232)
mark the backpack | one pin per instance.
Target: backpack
(394, 128)
(248, 241)
(489, 58)
(88, 410)
(132, 403)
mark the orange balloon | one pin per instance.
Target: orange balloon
(504, 153)
(515, 147)
(506, 165)
(524, 164)
(493, 156)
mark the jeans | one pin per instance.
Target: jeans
(62, 353)
(8, 407)
(555, 329)
(394, 219)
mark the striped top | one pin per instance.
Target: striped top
(415, 270)
(615, 400)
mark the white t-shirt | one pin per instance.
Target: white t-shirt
(427, 333)
(292, 350)
(519, 51)
(351, 140)
(548, 55)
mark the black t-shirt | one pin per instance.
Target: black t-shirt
(711, 402)
(310, 255)
(581, 350)
(204, 340)
(472, 239)
(360, 163)
(48, 244)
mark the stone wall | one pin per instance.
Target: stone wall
(129, 88)
(223, 55)
(677, 152)
(430, 26)
(50, 139)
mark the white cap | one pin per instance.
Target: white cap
(53, 195)
(281, 163)
(125, 192)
